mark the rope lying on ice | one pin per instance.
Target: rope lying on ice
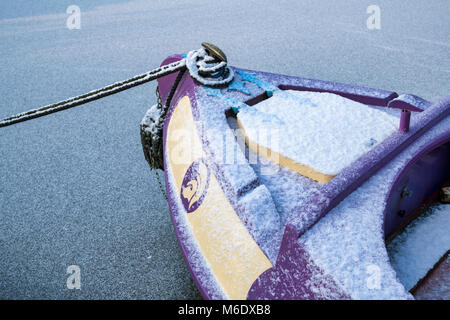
(207, 65)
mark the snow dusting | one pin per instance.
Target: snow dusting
(416, 250)
(329, 136)
(349, 241)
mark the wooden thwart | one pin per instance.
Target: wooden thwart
(284, 161)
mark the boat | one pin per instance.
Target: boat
(283, 187)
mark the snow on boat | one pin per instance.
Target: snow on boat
(282, 187)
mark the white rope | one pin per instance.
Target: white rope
(206, 70)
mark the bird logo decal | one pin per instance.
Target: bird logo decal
(195, 185)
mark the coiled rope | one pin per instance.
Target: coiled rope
(207, 65)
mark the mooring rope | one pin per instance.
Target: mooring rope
(152, 128)
(206, 65)
(95, 94)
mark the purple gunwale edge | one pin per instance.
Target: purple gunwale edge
(332, 193)
(367, 165)
(366, 99)
(363, 94)
(436, 143)
(382, 155)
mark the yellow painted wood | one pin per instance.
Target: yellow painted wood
(283, 160)
(234, 257)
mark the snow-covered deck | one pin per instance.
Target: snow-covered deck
(321, 131)
(349, 241)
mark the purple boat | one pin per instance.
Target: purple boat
(282, 187)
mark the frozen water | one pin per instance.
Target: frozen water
(75, 187)
(416, 250)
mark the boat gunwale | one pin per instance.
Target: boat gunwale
(344, 184)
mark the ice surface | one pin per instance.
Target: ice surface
(329, 136)
(420, 246)
(75, 187)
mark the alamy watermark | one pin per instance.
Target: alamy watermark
(233, 147)
(74, 278)
(373, 22)
(373, 281)
(74, 19)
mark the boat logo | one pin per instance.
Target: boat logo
(195, 185)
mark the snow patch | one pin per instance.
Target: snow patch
(423, 242)
(331, 135)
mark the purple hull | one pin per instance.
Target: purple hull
(416, 159)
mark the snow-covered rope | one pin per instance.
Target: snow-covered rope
(95, 94)
(152, 127)
(205, 68)
(207, 65)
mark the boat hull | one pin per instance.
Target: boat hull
(236, 237)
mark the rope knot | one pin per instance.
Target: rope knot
(208, 69)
